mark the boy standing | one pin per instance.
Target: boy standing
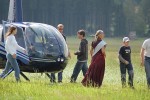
(125, 63)
(82, 56)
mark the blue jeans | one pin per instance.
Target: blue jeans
(11, 63)
(147, 70)
(78, 67)
(129, 68)
(53, 79)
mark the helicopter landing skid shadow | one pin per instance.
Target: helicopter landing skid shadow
(21, 73)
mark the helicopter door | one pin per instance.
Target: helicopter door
(20, 40)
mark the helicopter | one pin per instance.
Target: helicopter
(46, 49)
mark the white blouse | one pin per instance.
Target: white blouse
(11, 45)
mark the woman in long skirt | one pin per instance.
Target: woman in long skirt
(95, 74)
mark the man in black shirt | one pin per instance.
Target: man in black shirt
(125, 63)
(82, 56)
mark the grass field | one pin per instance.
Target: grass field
(40, 88)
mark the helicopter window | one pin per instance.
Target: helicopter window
(42, 41)
(58, 35)
(20, 38)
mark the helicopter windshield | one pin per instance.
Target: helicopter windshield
(60, 38)
(41, 42)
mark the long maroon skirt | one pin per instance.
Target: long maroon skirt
(95, 74)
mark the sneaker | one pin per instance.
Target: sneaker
(59, 81)
(72, 81)
(124, 86)
(18, 80)
(132, 87)
(52, 81)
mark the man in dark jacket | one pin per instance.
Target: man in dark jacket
(82, 56)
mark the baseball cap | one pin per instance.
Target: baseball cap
(126, 39)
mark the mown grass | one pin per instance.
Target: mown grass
(41, 89)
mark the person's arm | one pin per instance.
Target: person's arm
(144, 46)
(121, 58)
(16, 45)
(103, 51)
(69, 54)
(91, 51)
(82, 50)
(142, 56)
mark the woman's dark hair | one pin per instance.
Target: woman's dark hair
(81, 32)
(10, 30)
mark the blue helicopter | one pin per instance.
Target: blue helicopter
(46, 48)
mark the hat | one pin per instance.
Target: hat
(126, 39)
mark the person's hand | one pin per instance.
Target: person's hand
(31, 47)
(24, 51)
(69, 55)
(75, 53)
(126, 62)
(14, 56)
(142, 63)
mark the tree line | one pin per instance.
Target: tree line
(115, 17)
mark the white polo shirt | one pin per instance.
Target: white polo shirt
(11, 45)
(146, 46)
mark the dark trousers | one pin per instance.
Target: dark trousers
(78, 67)
(123, 69)
(53, 78)
(147, 70)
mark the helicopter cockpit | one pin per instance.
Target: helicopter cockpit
(43, 41)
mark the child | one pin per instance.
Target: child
(82, 57)
(125, 63)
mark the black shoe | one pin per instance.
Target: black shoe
(132, 87)
(124, 86)
(18, 80)
(59, 81)
(72, 81)
(52, 81)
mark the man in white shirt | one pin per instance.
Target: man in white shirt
(145, 59)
